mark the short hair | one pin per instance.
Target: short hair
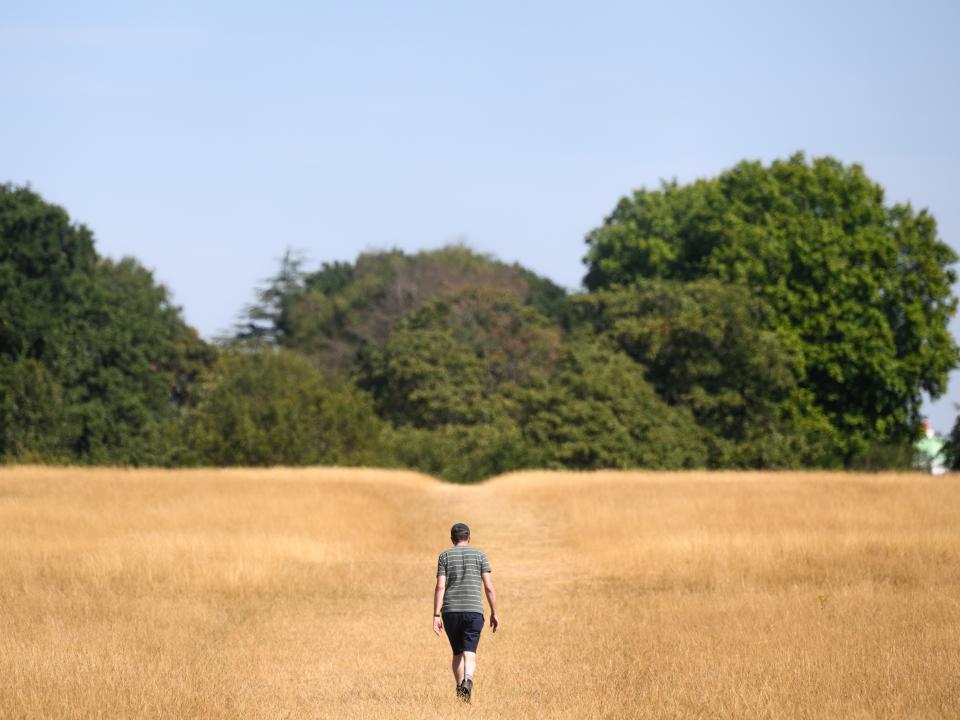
(459, 533)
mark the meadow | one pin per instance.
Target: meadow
(307, 593)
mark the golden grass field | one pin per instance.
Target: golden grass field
(308, 594)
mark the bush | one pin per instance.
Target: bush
(599, 412)
(274, 408)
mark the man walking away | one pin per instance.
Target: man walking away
(457, 606)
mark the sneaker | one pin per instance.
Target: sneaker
(467, 689)
(462, 693)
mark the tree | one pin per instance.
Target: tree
(46, 273)
(450, 361)
(703, 346)
(270, 407)
(860, 290)
(598, 411)
(334, 312)
(134, 363)
(477, 384)
(268, 319)
(94, 359)
(34, 423)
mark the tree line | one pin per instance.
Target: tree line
(774, 316)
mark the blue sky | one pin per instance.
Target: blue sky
(205, 138)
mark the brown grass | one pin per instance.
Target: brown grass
(307, 594)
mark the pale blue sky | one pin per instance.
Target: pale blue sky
(204, 138)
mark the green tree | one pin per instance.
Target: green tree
(450, 360)
(333, 313)
(268, 319)
(598, 411)
(703, 346)
(275, 408)
(136, 364)
(859, 289)
(446, 377)
(94, 359)
(46, 274)
(477, 384)
(34, 422)
(425, 378)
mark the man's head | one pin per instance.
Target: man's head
(459, 533)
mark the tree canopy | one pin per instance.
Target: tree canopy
(598, 411)
(94, 359)
(705, 346)
(452, 360)
(861, 290)
(275, 408)
(333, 312)
(779, 315)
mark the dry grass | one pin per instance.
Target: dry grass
(306, 594)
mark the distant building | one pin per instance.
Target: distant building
(929, 451)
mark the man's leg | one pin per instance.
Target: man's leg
(471, 637)
(469, 663)
(459, 666)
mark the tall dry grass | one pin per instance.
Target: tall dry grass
(307, 594)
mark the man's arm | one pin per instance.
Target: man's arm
(491, 600)
(438, 603)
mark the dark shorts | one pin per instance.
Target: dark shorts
(463, 629)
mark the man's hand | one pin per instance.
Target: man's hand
(437, 626)
(494, 622)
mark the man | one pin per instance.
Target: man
(930, 451)
(457, 606)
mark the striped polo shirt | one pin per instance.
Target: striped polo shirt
(462, 566)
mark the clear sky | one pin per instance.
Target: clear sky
(204, 138)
